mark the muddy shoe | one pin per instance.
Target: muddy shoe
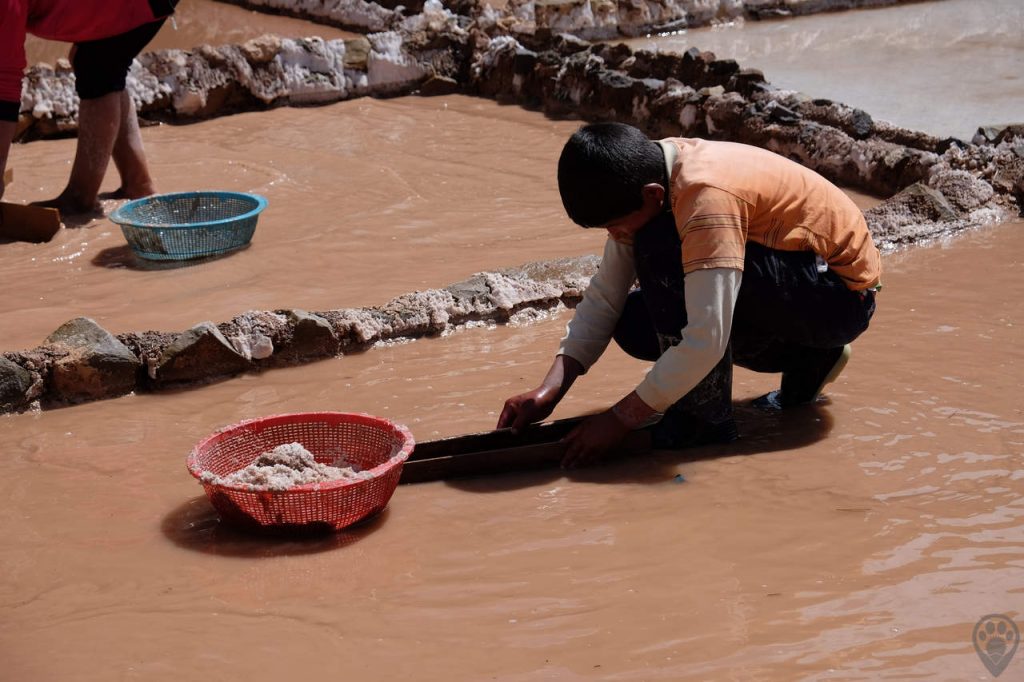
(803, 385)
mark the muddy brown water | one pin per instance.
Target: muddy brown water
(358, 213)
(203, 22)
(858, 539)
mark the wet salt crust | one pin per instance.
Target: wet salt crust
(284, 467)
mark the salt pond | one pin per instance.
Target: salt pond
(857, 539)
(942, 67)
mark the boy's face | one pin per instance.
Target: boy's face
(622, 229)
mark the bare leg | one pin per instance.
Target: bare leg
(130, 157)
(98, 123)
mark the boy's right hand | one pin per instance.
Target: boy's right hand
(527, 408)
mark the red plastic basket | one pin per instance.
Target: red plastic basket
(372, 443)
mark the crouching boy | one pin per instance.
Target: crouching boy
(742, 256)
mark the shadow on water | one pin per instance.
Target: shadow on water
(123, 257)
(196, 525)
(762, 432)
(81, 220)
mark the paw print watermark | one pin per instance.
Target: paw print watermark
(995, 639)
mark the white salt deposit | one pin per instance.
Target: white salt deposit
(388, 66)
(287, 466)
(313, 69)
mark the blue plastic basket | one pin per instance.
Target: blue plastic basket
(189, 224)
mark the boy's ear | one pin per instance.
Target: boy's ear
(653, 191)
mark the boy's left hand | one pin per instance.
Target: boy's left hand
(592, 439)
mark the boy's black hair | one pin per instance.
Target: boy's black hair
(603, 169)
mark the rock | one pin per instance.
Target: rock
(926, 203)
(948, 143)
(312, 337)
(995, 134)
(896, 166)
(613, 95)
(916, 213)
(666, 107)
(642, 63)
(252, 346)
(389, 68)
(96, 365)
(523, 62)
(856, 123)
(312, 70)
(470, 290)
(419, 313)
(357, 52)
(439, 85)
(566, 44)
(252, 334)
(15, 384)
(358, 327)
(724, 112)
(590, 20)
(693, 67)
(781, 114)
(902, 136)
(261, 50)
(1005, 183)
(722, 70)
(861, 124)
(200, 353)
(748, 82)
(962, 190)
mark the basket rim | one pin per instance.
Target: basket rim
(118, 215)
(361, 417)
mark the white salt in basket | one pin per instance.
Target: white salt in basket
(371, 444)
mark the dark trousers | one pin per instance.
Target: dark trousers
(101, 66)
(786, 312)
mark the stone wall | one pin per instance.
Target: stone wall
(407, 45)
(935, 186)
(81, 361)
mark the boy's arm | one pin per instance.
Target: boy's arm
(587, 335)
(532, 406)
(713, 225)
(710, 300)
(593, 323)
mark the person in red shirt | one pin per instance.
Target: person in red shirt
(107, 36)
